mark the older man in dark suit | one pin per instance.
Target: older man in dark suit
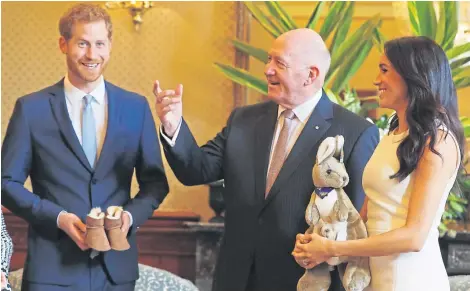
(265, 154)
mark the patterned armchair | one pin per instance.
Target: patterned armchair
(150, 279)
(153, 279)
(157, 279)
(459, 283)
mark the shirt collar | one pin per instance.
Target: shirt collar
(303, 111)
(73, 94)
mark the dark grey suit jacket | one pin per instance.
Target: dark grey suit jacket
(260, 233)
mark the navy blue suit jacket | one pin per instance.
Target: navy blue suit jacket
(260, 233)
(41, 143)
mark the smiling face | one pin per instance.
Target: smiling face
(297, 64)
(286, 74)
(88, 51)
(393, 90)
(296, 68)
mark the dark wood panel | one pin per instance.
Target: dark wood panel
(164, 242)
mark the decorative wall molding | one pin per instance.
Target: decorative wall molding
(243, 29)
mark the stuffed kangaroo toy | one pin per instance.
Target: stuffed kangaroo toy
(331, 214)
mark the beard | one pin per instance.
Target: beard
(82, 73)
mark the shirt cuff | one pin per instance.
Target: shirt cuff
(130, 216)
(63, 211)
(171, 141)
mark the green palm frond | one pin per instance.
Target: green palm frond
(343, 27)
(424, 22)
(250, 50)
(353, 62)
(413, 14)
(447, 25)
(379, 40)
(263, 19)
(426, 18)
(337, 10)
(457, 51)
(315, 16)
(244, 78)
(352, 46)
(284, 19)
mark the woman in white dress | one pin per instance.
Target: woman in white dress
(408, 178)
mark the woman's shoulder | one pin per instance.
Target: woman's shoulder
(444, 150)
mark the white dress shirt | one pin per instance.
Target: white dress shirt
(171, 141)
(99, 105)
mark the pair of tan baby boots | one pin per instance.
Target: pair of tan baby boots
(103, 230)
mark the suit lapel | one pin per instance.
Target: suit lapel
(315, 128)
(59, 109)
(264, 132)
(111, 130)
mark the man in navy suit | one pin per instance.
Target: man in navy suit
(266, 154)
(80, 157)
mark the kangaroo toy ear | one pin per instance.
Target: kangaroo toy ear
(326, 149)
(339, 153)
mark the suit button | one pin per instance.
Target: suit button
(260, 221)
(94, 181)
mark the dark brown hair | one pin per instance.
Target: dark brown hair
(432, 99)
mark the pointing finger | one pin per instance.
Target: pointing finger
(156, 87)
(179, 90)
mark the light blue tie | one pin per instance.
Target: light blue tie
(89, 131)
(89, 140)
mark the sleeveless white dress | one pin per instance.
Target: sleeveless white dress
(387, 209)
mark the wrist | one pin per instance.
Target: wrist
(331, 248)
(59, 225)
(169, 130)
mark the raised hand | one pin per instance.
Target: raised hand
(169, 107)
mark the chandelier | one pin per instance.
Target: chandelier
(136, 9)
